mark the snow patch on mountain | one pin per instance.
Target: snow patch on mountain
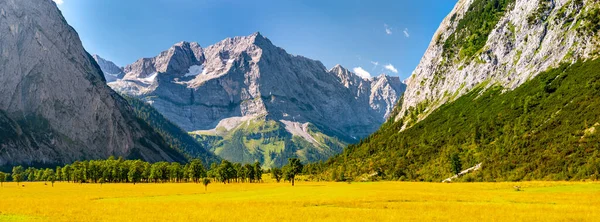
(301, 130)
(195, 70)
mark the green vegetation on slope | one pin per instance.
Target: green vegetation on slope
(268, 142)
(174, 136)
(475, 27)
(546, 129)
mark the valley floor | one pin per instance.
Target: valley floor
(307, 201)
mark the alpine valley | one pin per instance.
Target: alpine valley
(247, 100)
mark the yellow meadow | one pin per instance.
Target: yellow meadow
(307, 201)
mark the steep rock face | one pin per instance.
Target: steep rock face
(248, 78)
(111, 71)
(55, 106)
(529, 37)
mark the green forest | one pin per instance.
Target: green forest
(546, 129)
(119, 170)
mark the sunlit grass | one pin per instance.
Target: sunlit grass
(382, 201)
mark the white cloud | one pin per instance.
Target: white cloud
(375, 64)
(388, 30)
(58, 2)
(406, 33)
(362, 73)
(391, 68)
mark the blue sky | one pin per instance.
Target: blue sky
(375, 36)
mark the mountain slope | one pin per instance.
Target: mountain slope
(111, 71)
(498, 42)
(173, 135)
(218, 91)
(55, 106)
(480, 95)
(545, 129)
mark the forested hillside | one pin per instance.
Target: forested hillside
(546, 129)
(173, 135)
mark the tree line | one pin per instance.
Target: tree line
(120, 170)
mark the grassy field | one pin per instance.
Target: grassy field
(381, 201)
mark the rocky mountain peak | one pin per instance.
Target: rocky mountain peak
(111, 71)
(522, 39)
(176, 59)
(56, 108)
(345, 76)
(247, 78)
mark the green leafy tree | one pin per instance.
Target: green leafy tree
(3, 178)
(29, 174)
(239, 169)
(249, 172)
(196, 170)
(257, 172)
(293, 168)
(175, 172)
(49, 175)
(17, 174)
(225, 172)
(67, 173)
(455, 163)
(205, 181)
(136, 172)
(212, 173)
(58, 174)
(277, 174)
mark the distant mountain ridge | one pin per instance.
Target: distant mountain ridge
(214, 91)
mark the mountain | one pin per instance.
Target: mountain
(510, 85)
(501, 42)
(248, 100)
(55, 106)
(174, 136)
(111, 71)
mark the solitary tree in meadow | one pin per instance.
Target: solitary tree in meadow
(205, 181)
(293, 168)
(17, 174)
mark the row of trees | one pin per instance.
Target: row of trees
(114, 171)
(136, 171)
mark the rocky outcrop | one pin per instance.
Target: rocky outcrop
(55, 106)
(529, 37)
(203, 89)
(111, 71)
